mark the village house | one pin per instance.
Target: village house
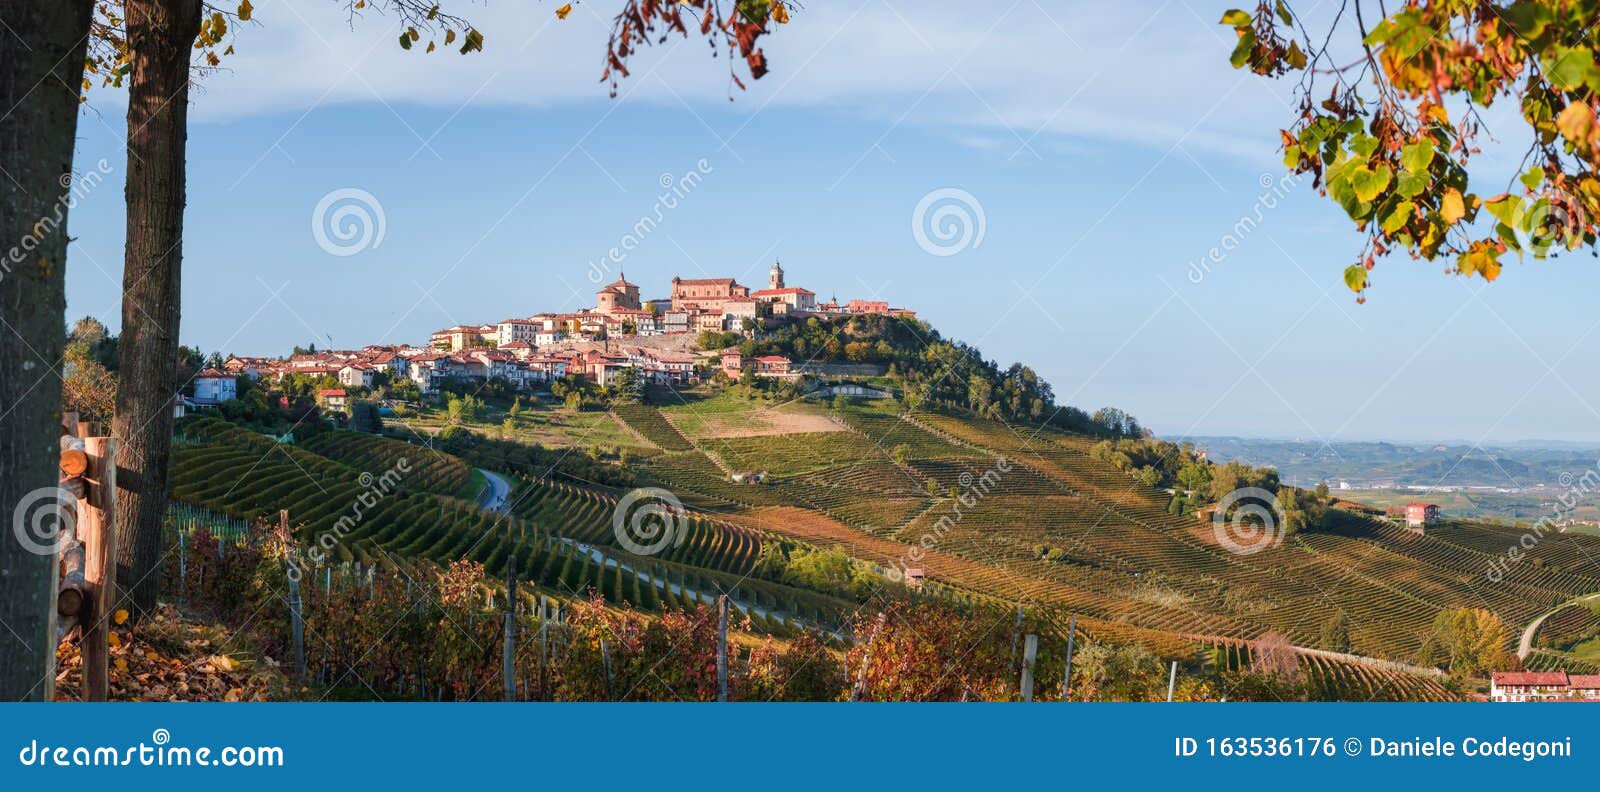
(213, 387)
(1420, 515)
(357, 375)
(545, 338)
(676, 321)
(1543, 686)
(738, 309)
(522, 350)
(245, 366)
(775, 366)
(509, 331)
(335, 398)
(732, 363)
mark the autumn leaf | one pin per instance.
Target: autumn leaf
(120, 617)
(780, 13)
(1355, 277)
(245, 9)
(1452, 208)
(562, 12)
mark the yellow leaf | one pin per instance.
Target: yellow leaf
(780, 14)
(1452, 208)
(430, 46)
(222, 662)
(122, 665)
(1576, 122)
(245, 9)
(561, 13)
(114, 639)
(120, 616)
(360, 4)
(449, 36)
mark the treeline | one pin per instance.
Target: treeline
(936, 373)
(1197, 484)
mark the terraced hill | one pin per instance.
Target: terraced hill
(987, 511)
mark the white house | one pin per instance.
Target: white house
(212, 387)
(356, 375)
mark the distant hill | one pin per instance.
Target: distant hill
(1379, 464)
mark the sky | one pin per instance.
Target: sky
(1044, 180)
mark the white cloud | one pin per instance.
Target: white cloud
(1143, 73)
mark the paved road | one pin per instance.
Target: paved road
(1526, 644)
(496, 491)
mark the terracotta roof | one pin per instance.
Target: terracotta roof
(332, 392)
(704, 281)
(1421, 505)
(212, 373)
(1585, 681)
(517, 345)
(1541, 678)
(776, 292)
(773, 359)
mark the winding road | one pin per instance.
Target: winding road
(1526, 644)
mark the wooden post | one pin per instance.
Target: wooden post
(97, 526)
(1066, 678)
(1172, 680)
(1016, 638)
(722, 648)
(866, 660)
(508, 652)
(1030, 653)
(544, 641)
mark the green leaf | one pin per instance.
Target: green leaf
(1241, 52)
(472, 41)
(1504, 207)
(1410, 185)
(1570, 68)
(1283, 13)
(1527, 18)
(1236, 18)
(1533, 178)
(1355, 277)
(1398, 216)
(405, 41)
(1367, 183)
(1417, 156)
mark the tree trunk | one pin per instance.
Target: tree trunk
(40, 85)
(160, 38)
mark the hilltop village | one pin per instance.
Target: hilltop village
(654, 339)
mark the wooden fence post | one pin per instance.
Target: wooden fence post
(1030, 653)
(508, 652)
(296, 616)
(97, 525)
(866, 659)
(1016, 639)
(1172, 681)
(1066, 678)
(722, 648)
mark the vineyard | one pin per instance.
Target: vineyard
(990, 513)
(250, 477)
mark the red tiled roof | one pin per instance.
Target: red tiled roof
(773, 359)
(703, 281)
(776, 292)
(1421, 505)
(212, 373)
(1585, 681)
(1541, 678)
(332, 392)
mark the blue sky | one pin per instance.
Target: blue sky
(1108, 149)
